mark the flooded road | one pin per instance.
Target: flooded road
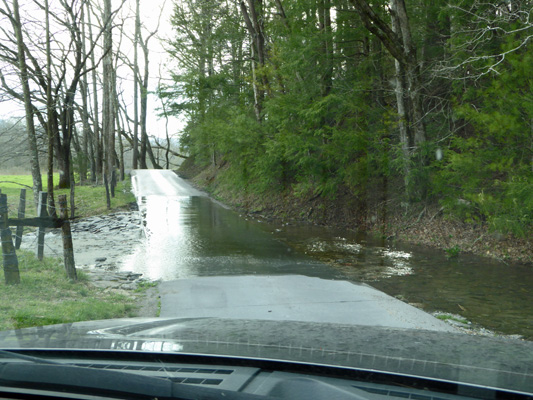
(486, 292)
(188, 235)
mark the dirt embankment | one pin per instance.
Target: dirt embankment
(377, 212)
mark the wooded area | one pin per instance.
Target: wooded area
(421, 101)
(60, 60)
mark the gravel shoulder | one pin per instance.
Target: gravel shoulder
(102, 244)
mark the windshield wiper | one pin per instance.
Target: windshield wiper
(37, 360)
(82, 380)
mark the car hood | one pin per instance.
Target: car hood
(485, 361)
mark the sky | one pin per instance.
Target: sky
(150, 14)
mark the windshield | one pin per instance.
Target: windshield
(350, 179)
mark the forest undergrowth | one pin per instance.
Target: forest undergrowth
(381, 213)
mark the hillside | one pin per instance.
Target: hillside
(421, 223)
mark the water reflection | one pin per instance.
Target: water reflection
(400, 263)
(193, 236)
(490, 293)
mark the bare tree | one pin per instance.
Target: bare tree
(68, 61)
(488, 22)
(136, 85)
(145, 144)
(87, 142)
(398, 41)
(49, 106)
(108, 115)
(98, 148)
(30, 126)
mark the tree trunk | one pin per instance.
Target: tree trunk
(397, 39)
(121, 149)
(63, 163)
(256, 31)
(403, 125)
(136, 87)
(96, 137)
(324, 24)
(86, 138)
(83, 157)
(49, 130)
(107, 96)
(30, 126)
(144, 107)
(399, 13)
(144, 135)
(400, 91)
(120, 130)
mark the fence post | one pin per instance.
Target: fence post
(21, 214)
(11, 263)
(41, 212)
(68, 250)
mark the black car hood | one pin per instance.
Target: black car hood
(457, 357)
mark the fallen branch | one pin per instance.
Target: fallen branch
(437, 213)
(174, 153)
(475, 241)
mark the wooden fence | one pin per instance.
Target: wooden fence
(42, 221)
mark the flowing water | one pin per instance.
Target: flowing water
(488, 293)
(194, 236)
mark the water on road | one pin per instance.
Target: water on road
(193, 236)
(188, 235)
(486, 292)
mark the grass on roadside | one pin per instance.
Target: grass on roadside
(46, 296)
(89, 200)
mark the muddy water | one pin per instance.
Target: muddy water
(486, 292)
(188, 236)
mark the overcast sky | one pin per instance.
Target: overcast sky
(150, 13)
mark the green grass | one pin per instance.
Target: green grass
(11, 185)
(46, 296)
(89, 200)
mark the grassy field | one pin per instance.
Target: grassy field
(89, 200)
(45, 295)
